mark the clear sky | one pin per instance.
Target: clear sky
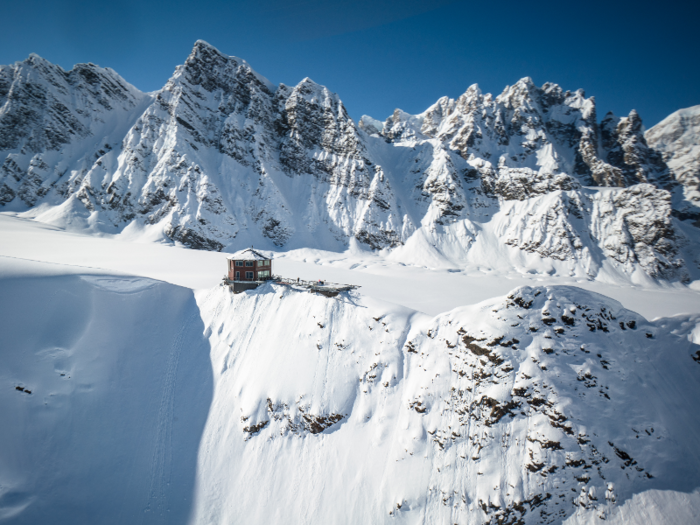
(382, 54)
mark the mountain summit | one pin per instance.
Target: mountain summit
(220, 158)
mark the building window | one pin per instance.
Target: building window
(238, 276)
(249, 275)
(239, 263)
(265, 274)
(249, 263)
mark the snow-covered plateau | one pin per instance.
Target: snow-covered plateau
(524, 347)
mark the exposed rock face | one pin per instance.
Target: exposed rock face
(626, 149)
(221, 157)
(640, 230)
(524, 409)
(523, 183)
(55, 123)
(514, 372)
(677, 138)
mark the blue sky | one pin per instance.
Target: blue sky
(382, 54)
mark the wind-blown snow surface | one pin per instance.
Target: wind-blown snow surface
(277, 405)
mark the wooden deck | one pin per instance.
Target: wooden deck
(323, 287)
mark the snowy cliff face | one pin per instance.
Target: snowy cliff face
(278, 405)
(167, 171)
(221, 158)
(542, 129)
(530, 142)
(677, 139)
(525, 409)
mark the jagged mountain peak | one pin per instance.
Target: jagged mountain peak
(473, 90)
(318, 102)
(517, 94)
(370, 125)
(632, 123)
(634, 116)
(220, 157)
(34, 59)
(209, 67)
(203, 51)
(203, 45)
(315, 93)
(45, 107)
(624, 147)
(36, 69)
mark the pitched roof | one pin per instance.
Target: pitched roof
(249, 254)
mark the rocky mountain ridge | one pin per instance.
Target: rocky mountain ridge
(676, 138)
(510, 411)
(220, 158)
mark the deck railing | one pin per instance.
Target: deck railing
(315, 286)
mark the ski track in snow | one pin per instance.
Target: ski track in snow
(157, 507)
(162, 454)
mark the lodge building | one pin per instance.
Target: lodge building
(249, 265)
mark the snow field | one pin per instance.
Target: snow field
(431, 289)
(116, 386)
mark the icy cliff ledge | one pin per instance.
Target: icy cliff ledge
(523, 409)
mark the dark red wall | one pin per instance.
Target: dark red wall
(232, 269)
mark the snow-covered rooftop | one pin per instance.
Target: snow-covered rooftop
(249, 254)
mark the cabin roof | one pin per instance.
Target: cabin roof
(249, 254)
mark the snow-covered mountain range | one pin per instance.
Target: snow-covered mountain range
(220, 158)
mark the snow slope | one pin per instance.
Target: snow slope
(520, 408)
(676, 137)
(280, 405)
(652, 506)
(106, 383)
